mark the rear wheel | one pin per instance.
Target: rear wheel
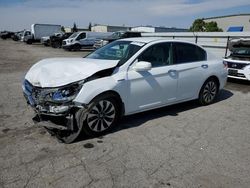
(208, 92)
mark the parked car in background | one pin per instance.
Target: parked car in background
(6, 34)
(124, 77)
(40, 30)
(115, 36)
(83, 39)
(46, 40)
(239, 59)
(56, 40)
(17, 36)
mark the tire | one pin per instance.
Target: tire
(46, 44)
(208, 92)
(101, 116)
(29, 41)
(56, 44)
(68, 136)
(77, 47)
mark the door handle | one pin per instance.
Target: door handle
(204, 66)
(172, 72)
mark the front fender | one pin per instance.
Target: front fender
(95, 87)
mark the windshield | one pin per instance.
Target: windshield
(241, 52)
(117, 34)
(73, 35)
(117, 50)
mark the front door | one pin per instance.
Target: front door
(156, 87)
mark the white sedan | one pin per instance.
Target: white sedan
(124, 77)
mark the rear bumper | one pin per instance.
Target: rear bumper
(223, 79)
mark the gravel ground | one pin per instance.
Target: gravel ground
(184, 145)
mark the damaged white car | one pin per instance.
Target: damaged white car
(74, 95)
(239, 59)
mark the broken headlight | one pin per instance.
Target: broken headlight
(65, 93)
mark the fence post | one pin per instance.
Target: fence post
(227, 46)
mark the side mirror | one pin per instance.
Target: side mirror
(142, 66)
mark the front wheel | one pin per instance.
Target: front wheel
(208, 92)
(102, 115)
(77, 47)
(29, 41)
(56, 44)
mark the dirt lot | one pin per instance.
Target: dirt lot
(184, 145)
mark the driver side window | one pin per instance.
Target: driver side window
(158, 55)
(81, 36)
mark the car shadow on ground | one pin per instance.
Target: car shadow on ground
(242, 86)
(238, 81)
(173, 110)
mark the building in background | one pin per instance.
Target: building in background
(169, 29)
(151, 29)
(148, 29)
(69, 29)
(109, 28)
(236, 22)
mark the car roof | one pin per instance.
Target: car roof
(142, 39)
(159, 39)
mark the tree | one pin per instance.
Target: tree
(90, 26)
(74, 29)
(63, 29)
(212, 26)
(199, 25)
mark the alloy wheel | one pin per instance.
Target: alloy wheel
(210, 91)
(101, 116)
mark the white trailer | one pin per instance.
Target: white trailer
(40, 30)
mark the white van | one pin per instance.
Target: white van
(83, 39)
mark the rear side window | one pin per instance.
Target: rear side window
(186, 53)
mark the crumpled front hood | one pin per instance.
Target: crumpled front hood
(55, 72)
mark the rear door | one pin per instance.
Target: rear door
(191, 66)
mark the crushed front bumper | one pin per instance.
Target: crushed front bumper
(48, 114)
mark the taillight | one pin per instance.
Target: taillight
(225, 64)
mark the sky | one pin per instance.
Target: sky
(20, 14)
